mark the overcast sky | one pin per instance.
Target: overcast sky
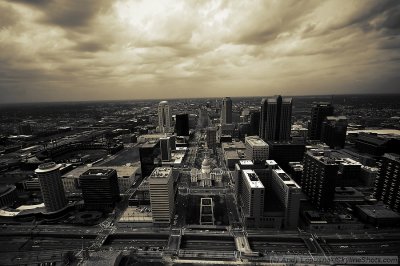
(61, 50)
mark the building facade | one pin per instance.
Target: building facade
(164, 117)
(333, 131)
(256, 148)
(275, 118)
(226, 112)
(319, 112)
(51, 186)
(100, 189)
(161, 186)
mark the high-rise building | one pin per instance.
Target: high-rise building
(256, 148)
(254, 123)
(319, 112)
(162, 195)
(211, 138)
(51, 186)
(333, 131)
(289, 194)
(100, 189)
(164, 117)
(226, 112)
(387, 182)
(284, 152)
(149, 153)
(165, 149)
(319, 178)
(203, 118)
(252, 195)
(182, 124)
(275, 118)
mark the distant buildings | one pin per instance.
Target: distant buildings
(25, 129)
(203, 118)
(51, 186)
(256, 148)
(161, 185)
(100, 189)
(319, 112)
(333, 131)
(319, 178)
(164, 117)
(182, 124)
(275, 118)
(387, 183)
(226, 111)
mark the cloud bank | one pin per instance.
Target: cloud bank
(61, 50)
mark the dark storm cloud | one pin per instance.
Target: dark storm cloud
(66, 13)
(67, 49)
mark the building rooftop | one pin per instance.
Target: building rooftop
(98, 172)
(252, 179)
(246, 162)
(161, 172)
(122, 171)
(47, 167)
(286, 179)
(256, 141)
(378, 211)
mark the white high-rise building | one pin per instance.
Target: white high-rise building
(164, 117)
(256, 148)
(51, 186)
(161, 185)
(252, 196)
(289, 193)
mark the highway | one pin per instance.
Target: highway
(222, 245)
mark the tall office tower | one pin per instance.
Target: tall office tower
(256, 148)
(226, 112)
(203, 118)
(211, 138)
(333, 131)
(164, 117)
(165, 149)
(51, 186)
(172, 142)
(289, 194)
(252, 195)
(100, 189)
(148, 153)
(387, 182)
(254, 123)
(276, 118)
(319, 112)
(162, 195)
(319, 176)
(182, 125)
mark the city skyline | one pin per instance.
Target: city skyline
(104, 50)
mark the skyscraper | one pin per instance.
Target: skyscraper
(226, 112)
(164, 117)
(387, 183)
(182, 124)
(211, 138)
(161, 185)
(165, 147)
(254, 123)
(275, 118)
(319, 178)
(148, 153)
(319, 112)
(333, 132)
(252, 196)
(51, 186)
(100, 188)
